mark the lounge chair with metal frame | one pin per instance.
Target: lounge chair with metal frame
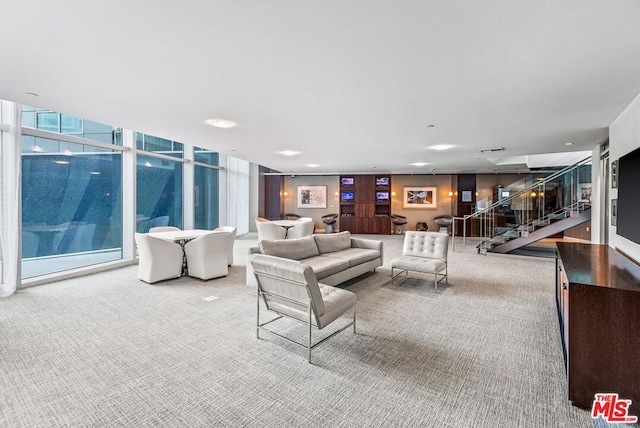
(290, 289)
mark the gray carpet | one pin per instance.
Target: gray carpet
(109, 350)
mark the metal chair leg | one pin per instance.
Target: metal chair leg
(309, 343)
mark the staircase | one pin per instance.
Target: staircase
(539, 210)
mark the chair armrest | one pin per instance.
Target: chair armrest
(251, 280)
(370, 244)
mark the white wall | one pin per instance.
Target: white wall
(624, 137)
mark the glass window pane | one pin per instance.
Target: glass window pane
(206, 198)
(70, 124)
(64, 124)
(150, 143)
(48, 121)
(71, 206)
(158, 194)
(205, 156)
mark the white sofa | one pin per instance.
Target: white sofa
(334, 258)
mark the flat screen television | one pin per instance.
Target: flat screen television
(628, 191)
(347, 181)
(382, 196)
(382, 181)
(346, 196)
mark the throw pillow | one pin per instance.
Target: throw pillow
(333, 242)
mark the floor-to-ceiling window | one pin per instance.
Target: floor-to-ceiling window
(158, 182)
(71, 204)
(205, 189)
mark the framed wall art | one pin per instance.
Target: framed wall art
(420, 197)
(312, 196)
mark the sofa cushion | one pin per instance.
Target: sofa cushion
(294, 249)
(325, 266)
(355, 256)
(331, 242)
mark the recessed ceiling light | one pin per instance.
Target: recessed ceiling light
(441, 147)
(313, 165)
(221, 123)
(420, 163)
(568, 144)
(62, 162)
(289, 152)
(95, 173)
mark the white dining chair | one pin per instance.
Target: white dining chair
(158, 259)
(269, 230)
(163, 229)
(207, 256)
(304, 228)
(231, 230)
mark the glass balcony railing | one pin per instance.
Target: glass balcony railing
(533, 205)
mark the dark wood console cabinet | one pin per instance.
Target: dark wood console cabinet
(598, 300)
(365, 204)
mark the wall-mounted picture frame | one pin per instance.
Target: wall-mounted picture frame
(467, 196)
(425, 197)
(614, 212)
(312, 196)
(584, 192)
(614, 174)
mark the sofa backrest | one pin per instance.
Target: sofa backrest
(294, 249)
(333, 242)
(432, 245)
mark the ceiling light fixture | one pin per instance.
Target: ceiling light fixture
(221, 123)
(441, 147)
(420, 163)
(289, 152)
(32, 94)
(568, 144)
(95, 173)
(430, 126)
(62, 162)
(313, 165)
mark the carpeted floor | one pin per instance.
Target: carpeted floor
(109, 350)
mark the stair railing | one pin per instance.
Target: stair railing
(527, 208)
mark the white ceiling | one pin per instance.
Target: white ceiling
(350, 84)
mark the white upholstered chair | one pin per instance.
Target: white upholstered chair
(290, 289)
(424, 252)
(232, 230)
(269, 230)
(158, 221)
(163, 229)
(207, 255)
(158, 259)
(303, 228)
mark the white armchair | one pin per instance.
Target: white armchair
(269, 230)
(304, 228)
(424, 252)
(163, 229)
(231, 230)
(157, 259)
(207, 256)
